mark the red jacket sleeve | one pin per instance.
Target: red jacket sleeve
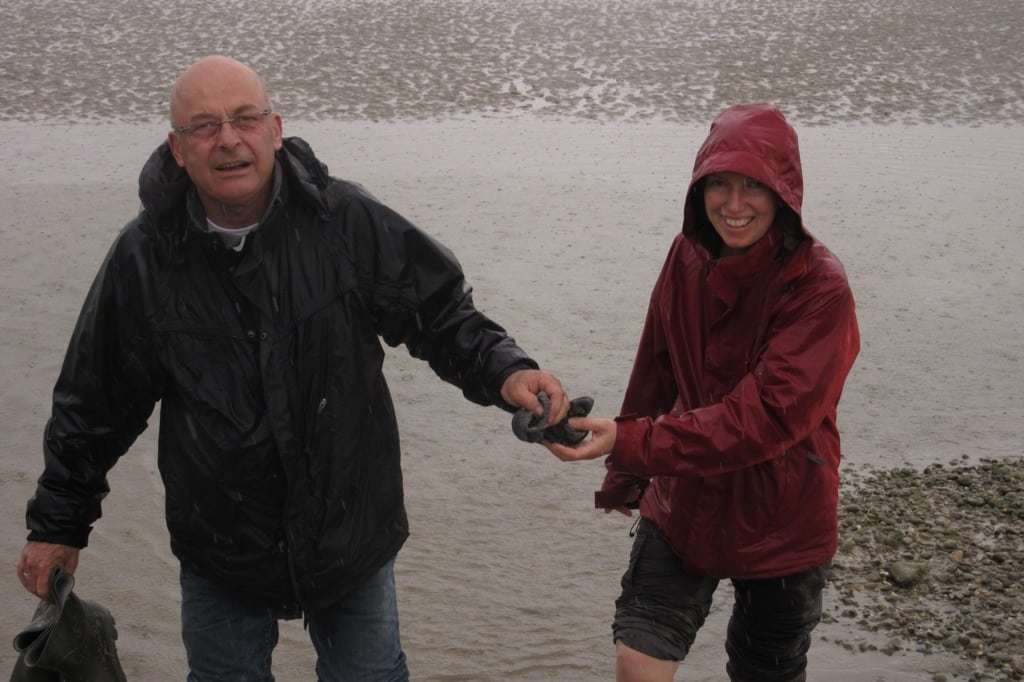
(794, 386)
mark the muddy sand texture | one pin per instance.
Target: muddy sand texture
(921, 61)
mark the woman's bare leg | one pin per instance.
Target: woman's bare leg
(633, 666)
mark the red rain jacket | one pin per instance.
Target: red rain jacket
(731, 406)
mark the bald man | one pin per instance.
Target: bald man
(248, 297)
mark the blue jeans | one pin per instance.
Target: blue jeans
(229, 639)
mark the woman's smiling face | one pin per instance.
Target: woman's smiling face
(740, 208)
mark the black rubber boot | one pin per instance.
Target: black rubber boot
(69, 640)
(533, 429)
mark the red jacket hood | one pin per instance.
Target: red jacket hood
(757, 141)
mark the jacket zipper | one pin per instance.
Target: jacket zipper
(283, 546)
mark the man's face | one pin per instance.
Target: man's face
(740, 209)
(233, 167)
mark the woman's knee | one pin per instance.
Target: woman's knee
(634, 666)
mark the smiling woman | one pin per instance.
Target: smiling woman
(222, 138)
(740, 208)
(727, 440)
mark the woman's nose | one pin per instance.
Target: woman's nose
(735, 200)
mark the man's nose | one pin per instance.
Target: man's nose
(227, 136)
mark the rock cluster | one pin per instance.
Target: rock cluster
(932, 558)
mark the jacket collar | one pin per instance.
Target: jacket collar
(730, 274)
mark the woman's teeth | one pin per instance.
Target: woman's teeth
(737, 223)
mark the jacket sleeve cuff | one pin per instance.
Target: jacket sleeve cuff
(620, 490)
(79, 539)
(630, 441)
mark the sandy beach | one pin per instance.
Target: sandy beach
(560, 214)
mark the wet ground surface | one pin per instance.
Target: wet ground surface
(932, 558)
(921, 61)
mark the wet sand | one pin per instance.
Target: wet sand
(561, 227)
(547, 142)
(919, 61)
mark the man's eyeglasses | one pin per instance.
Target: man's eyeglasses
(206, 130)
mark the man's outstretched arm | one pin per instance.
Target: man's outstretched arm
(420, 298)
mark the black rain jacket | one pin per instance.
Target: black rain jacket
(278, 444)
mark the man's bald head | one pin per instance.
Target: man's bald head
(207, 74)
(226, 136)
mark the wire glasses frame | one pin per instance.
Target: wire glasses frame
(207, 129)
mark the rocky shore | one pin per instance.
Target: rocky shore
(931, 560)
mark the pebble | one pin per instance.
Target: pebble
(906, 573)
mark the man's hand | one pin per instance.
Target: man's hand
(38, 560)
(601, 441)
(521, 389)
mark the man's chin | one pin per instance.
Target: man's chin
(230, 201)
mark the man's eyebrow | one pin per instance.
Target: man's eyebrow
(201, 116)
(246, 108)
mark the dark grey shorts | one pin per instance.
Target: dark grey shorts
(662, 607)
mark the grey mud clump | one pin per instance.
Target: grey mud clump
(534, 428)
(932, 559)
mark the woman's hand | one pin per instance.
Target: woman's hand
(601, 441)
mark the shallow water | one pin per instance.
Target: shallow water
(561, 228)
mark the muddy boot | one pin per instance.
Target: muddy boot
(533, 429)
(69, 640)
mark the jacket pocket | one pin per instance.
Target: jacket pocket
(760, 500)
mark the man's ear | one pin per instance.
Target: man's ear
(175, 144)
(276, 121)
